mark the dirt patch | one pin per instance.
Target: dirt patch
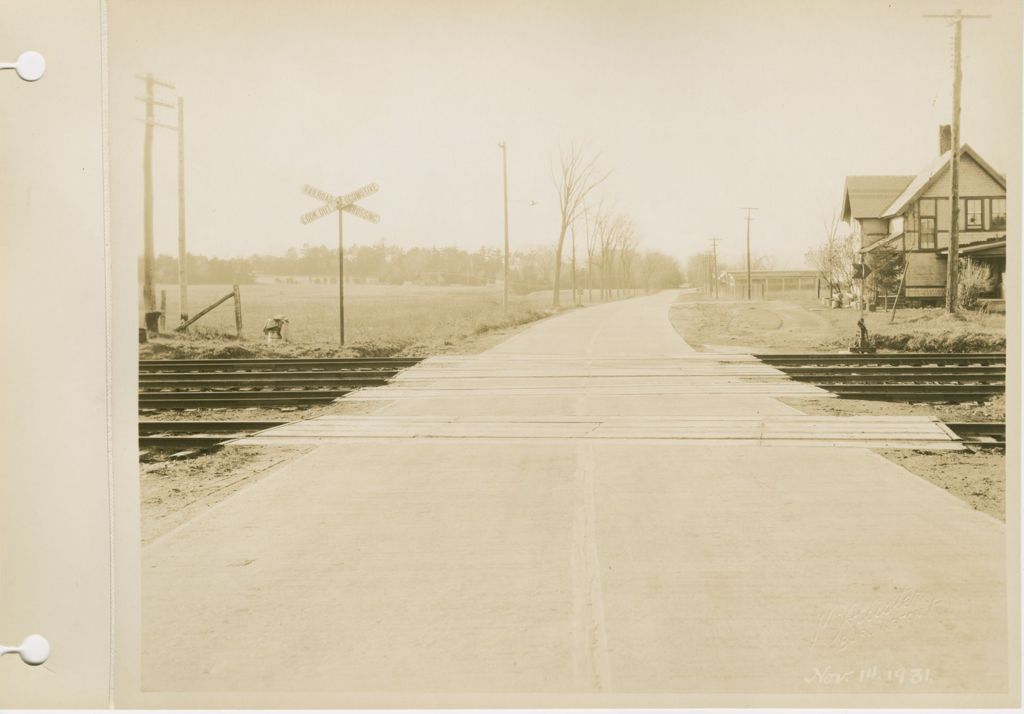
(173, 492)
(977, 478)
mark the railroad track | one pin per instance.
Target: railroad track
(899, 376)
(240, 383)
(982, 435)
(280, 364)
(196, 434)
(177, 435)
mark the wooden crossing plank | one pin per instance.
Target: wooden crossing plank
(863, 432)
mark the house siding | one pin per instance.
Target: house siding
(974, 181)
(872, 230)
(925, 270)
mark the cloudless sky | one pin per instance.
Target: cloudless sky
(698, 107)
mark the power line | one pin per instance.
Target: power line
(504, 176)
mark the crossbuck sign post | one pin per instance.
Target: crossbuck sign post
(341, 204)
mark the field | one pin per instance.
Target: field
(801, 324)
(380, 320)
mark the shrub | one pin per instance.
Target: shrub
(975, 280)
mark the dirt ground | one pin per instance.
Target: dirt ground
(977, 478)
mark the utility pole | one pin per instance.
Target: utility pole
(148, 291)
(341, 277)
(953, 262)
(714, 264)
(504, 177)
(748, 209)
(182, 252)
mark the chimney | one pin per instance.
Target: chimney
(945, 138)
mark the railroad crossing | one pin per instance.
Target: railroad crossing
(516, 522)
(341, 204)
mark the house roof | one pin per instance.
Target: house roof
(990, 246)
(879, 243)
(868, 196)
(925, 178)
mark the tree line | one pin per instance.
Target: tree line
(611, 264)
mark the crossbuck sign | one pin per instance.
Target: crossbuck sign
(341, 204)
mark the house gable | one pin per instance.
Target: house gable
(865, 197)
(940, 170)
(975, 180)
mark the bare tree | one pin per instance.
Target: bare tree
(577, 177)
(626, 241)
(592, 243)
(834, 258)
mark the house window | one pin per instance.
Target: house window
(927, 232)
(975, 214)
(997, 211)
(926, 223)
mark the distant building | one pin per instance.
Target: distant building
(911, 214)
(766, 283)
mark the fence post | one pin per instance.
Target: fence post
(238, 309)
(163, 310)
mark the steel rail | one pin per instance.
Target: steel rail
(285, 380)
(981, 370)
(277, 364)
(197, 434)
(980, 434)
(153, 428)
(897, 358)
(190, 400)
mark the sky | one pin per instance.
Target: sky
(698, 108)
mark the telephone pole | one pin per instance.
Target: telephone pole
(748, 209)
(714, 264)
(182, 252)
(709, 287)
(953, 262)
(504, 177)
(148, 292)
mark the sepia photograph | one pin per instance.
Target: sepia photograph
(569, 353)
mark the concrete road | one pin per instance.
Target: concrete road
(526, 561)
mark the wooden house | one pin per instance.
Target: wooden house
(912, 214)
